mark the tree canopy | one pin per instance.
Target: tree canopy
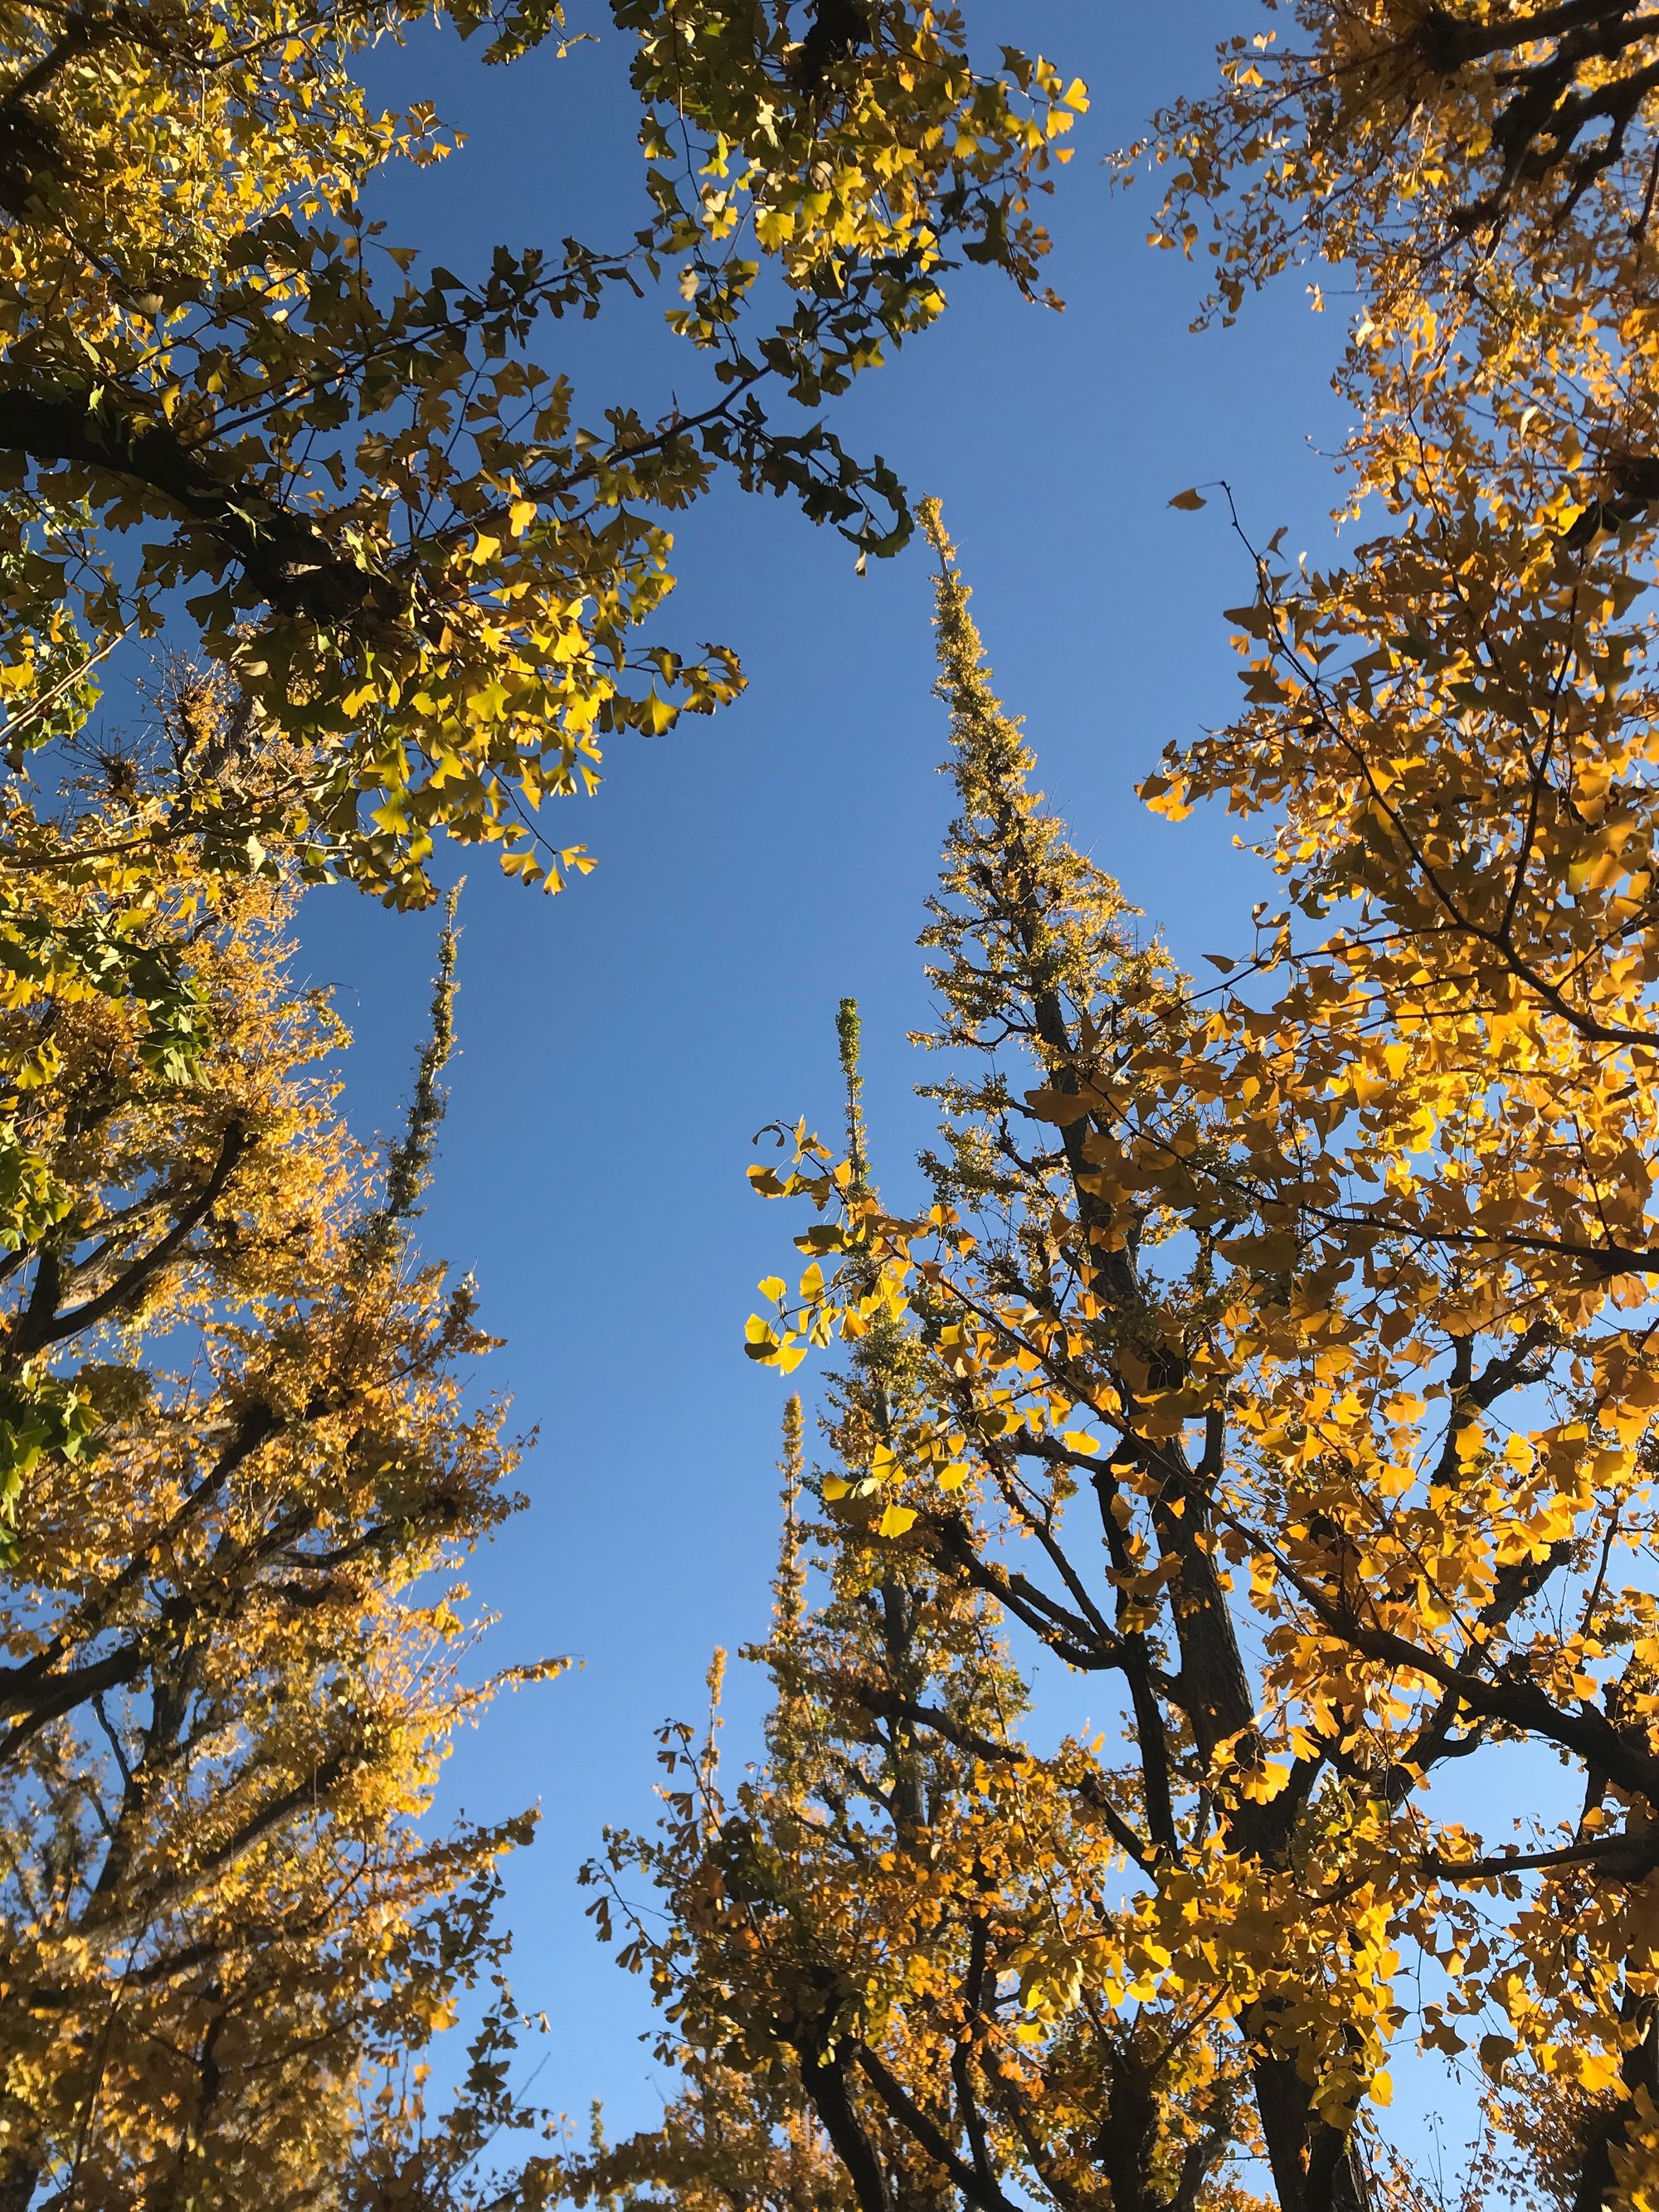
(1277, 1354)
(359, 483)
(235, 1649)
(1281, 1352)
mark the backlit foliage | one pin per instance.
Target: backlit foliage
(362, 480)
(1283, 1355)
(234, 1653)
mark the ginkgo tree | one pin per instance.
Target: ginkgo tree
(851, 1936)
(234, 1647)
(1283, 1359)
(309, 547)
(361, 484)
(1283, 1354)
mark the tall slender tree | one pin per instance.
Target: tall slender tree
(1357, 1502)
(863, 1930)
(231, 1664)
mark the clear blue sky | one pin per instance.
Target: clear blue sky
(622, 1043)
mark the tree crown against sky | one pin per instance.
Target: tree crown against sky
(309, 547)
(1286, 1345)
(360, 484)
(235, 1648)
(1314, 1305)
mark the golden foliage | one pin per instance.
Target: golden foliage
(422, 567)
(1282, 1354)
(1318, 1299)
(234, 1651)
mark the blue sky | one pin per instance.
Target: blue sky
(621, 1044)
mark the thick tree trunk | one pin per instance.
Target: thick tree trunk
(824, 2080)
(1608, 2131)
(1316, 2167)
(20, 2177)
